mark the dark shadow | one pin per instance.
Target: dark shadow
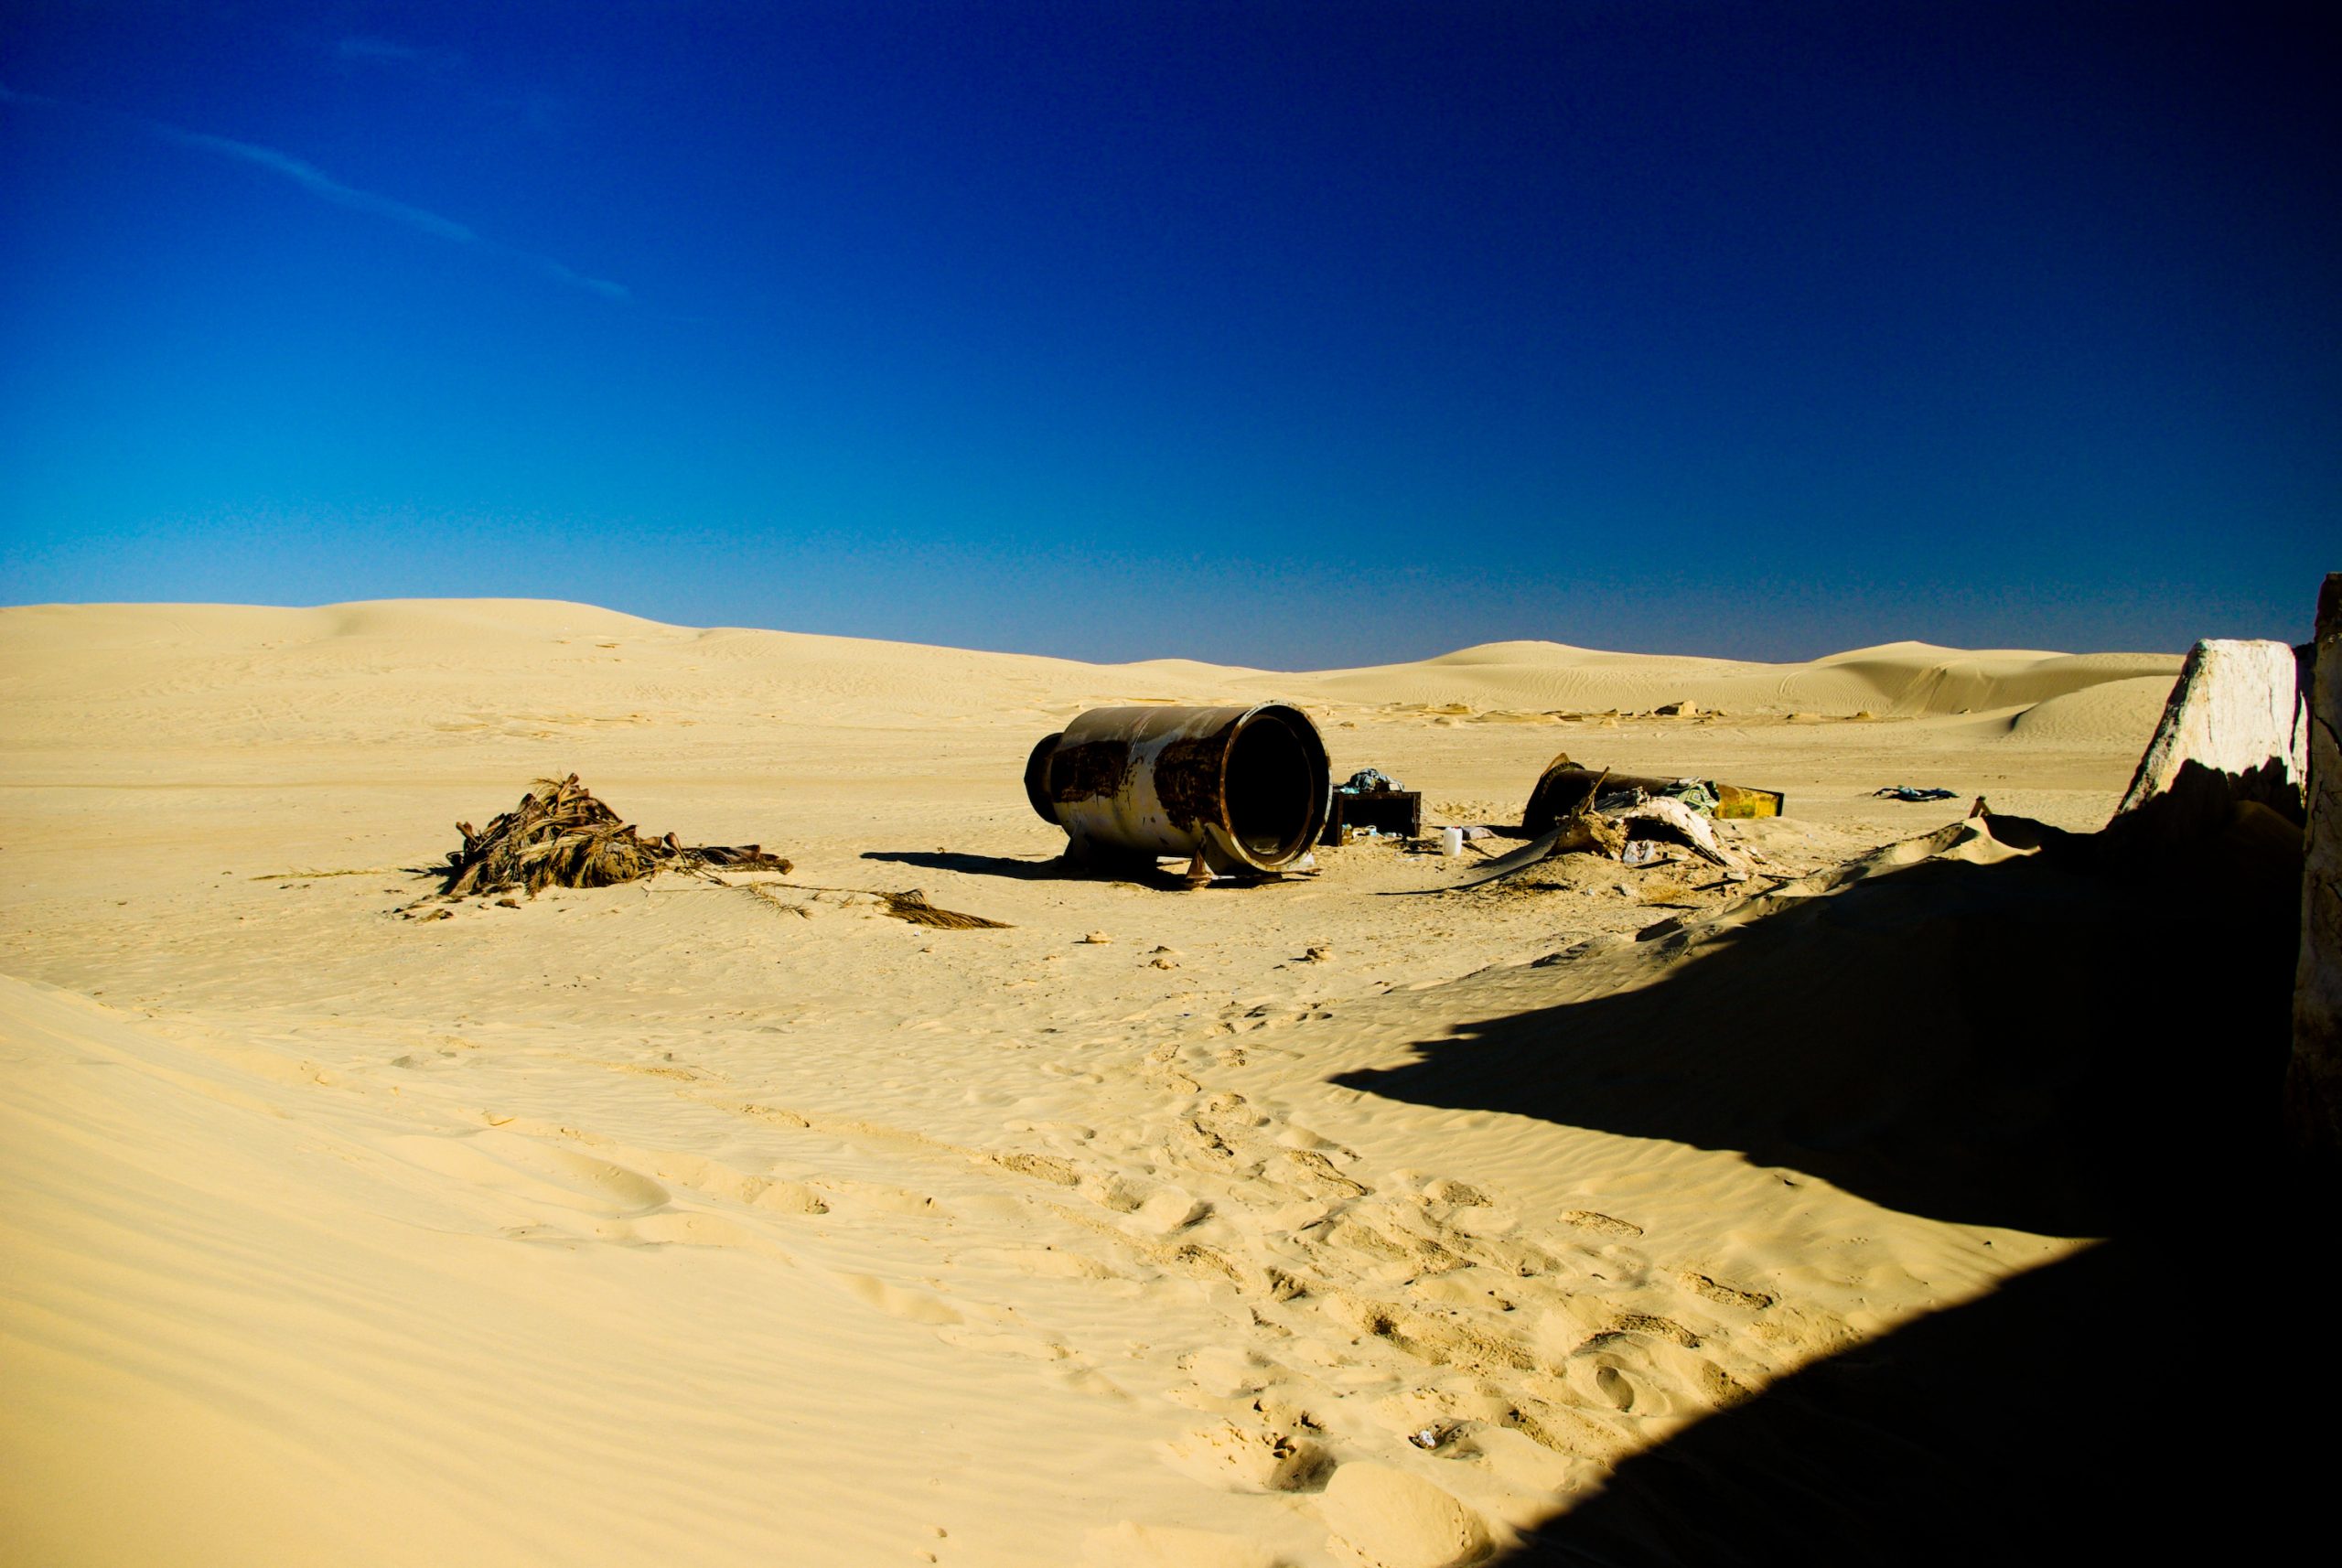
(2086, 1042)
(2051, 1420)
(1131, 870)
(1050, 870)
(2007, 1044)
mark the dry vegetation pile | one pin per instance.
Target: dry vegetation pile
(560, 835)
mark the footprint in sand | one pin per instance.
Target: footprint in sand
(1247, 1459)
(1601, 1224)
(1724, 1294)
(1040, 1167)
(685, 1228)
(875, 1197)
(1152, 1210)
(899, 1301)
(1646, 1371)
(701, 1174)
(523, 1168)
(994, 1342)
(1044, 1263)
(1615, 1387)
(1224, 1371)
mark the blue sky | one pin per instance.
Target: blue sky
(1294, 335)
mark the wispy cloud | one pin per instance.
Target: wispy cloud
(375, 49)
(365, 49)
(316, 181)
(310, 177)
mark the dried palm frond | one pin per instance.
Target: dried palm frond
(913, 907)
(560, 835)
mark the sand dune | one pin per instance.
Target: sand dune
(573, 1231)
(483, 645)
(1906, 680)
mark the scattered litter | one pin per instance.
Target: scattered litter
(1911, 792)
(1565, 786)
(1521, 859)
(1317, 955)
(1673, 821)
(1631, 824)
(1371, 802)
(1451, 842)
(1692, 793)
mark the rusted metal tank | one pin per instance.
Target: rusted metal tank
(1245, 788)
(1565, 785)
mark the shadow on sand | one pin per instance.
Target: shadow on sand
(1133, 870)
(1050, 870)
(2055, 1044)
(2083, 1404)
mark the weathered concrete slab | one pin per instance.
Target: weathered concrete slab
(2234, 730)
(2313, 1076)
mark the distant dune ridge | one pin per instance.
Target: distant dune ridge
(1338, 1220)
(1903, 679)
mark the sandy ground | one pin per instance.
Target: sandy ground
(674, 1223)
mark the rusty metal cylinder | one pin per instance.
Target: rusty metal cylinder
(1245, 788)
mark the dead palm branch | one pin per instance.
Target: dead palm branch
(561, 836)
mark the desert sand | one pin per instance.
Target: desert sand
(670, 1223)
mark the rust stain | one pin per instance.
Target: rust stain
(1188, 778)
(1089, 769)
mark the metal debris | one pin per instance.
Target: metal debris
(1371, 802)
(1565, 785)
(1239, 789)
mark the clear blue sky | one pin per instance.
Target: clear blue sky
(1284, 334)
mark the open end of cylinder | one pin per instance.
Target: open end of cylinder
(1036, 776)
(1275, 785)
